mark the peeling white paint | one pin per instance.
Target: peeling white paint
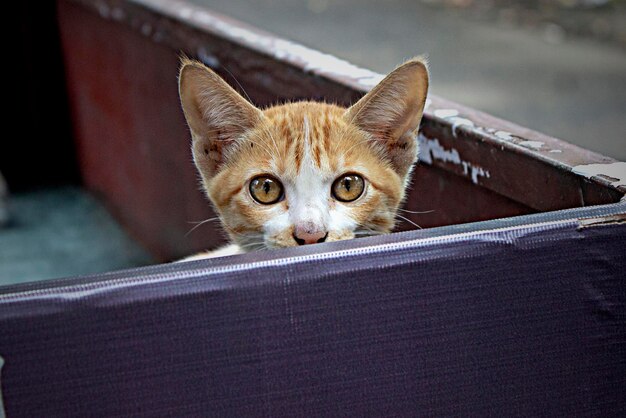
(325, 63)
(452, 116)
(614, 172)
(314, 61)
(446, 113)
(431, 149)
(504, 135)
(536, 145)
(474, 171)
(458, 121)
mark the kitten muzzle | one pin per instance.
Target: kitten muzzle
(303, 236)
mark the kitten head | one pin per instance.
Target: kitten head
(305, 172)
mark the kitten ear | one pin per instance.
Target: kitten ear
(217, 115)
(391, 112)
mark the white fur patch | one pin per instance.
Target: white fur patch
(308, 196)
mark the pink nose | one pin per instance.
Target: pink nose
(304, 236)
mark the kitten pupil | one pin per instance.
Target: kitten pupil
(305, 172)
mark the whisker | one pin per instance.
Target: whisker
(409, 221)
(417, 212)
(336, 144)
(254, 245)
(363, 141)
(278, 153)
(364, 105)
(366, 231)
(199, 224)
(269, 132)
(248, 244)
(263, 147)
(238, 83)
(246, 233)
(202, 221)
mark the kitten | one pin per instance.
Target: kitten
(304, 172)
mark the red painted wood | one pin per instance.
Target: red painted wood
(132, 140)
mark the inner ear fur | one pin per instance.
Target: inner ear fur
(391, 112)
(217, 115)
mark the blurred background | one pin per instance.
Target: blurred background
(555, 66)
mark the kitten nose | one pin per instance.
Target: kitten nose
(302, 236)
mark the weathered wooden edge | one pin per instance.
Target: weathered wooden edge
(542, 172)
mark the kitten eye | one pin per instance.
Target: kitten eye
(348, 187)
(266, 190)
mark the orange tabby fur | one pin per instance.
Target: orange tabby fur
(305, 146)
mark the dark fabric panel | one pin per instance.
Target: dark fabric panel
(138, 274)
(514, 320)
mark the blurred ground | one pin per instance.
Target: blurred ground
(557, 66)
(603, 20)
(61, 232)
